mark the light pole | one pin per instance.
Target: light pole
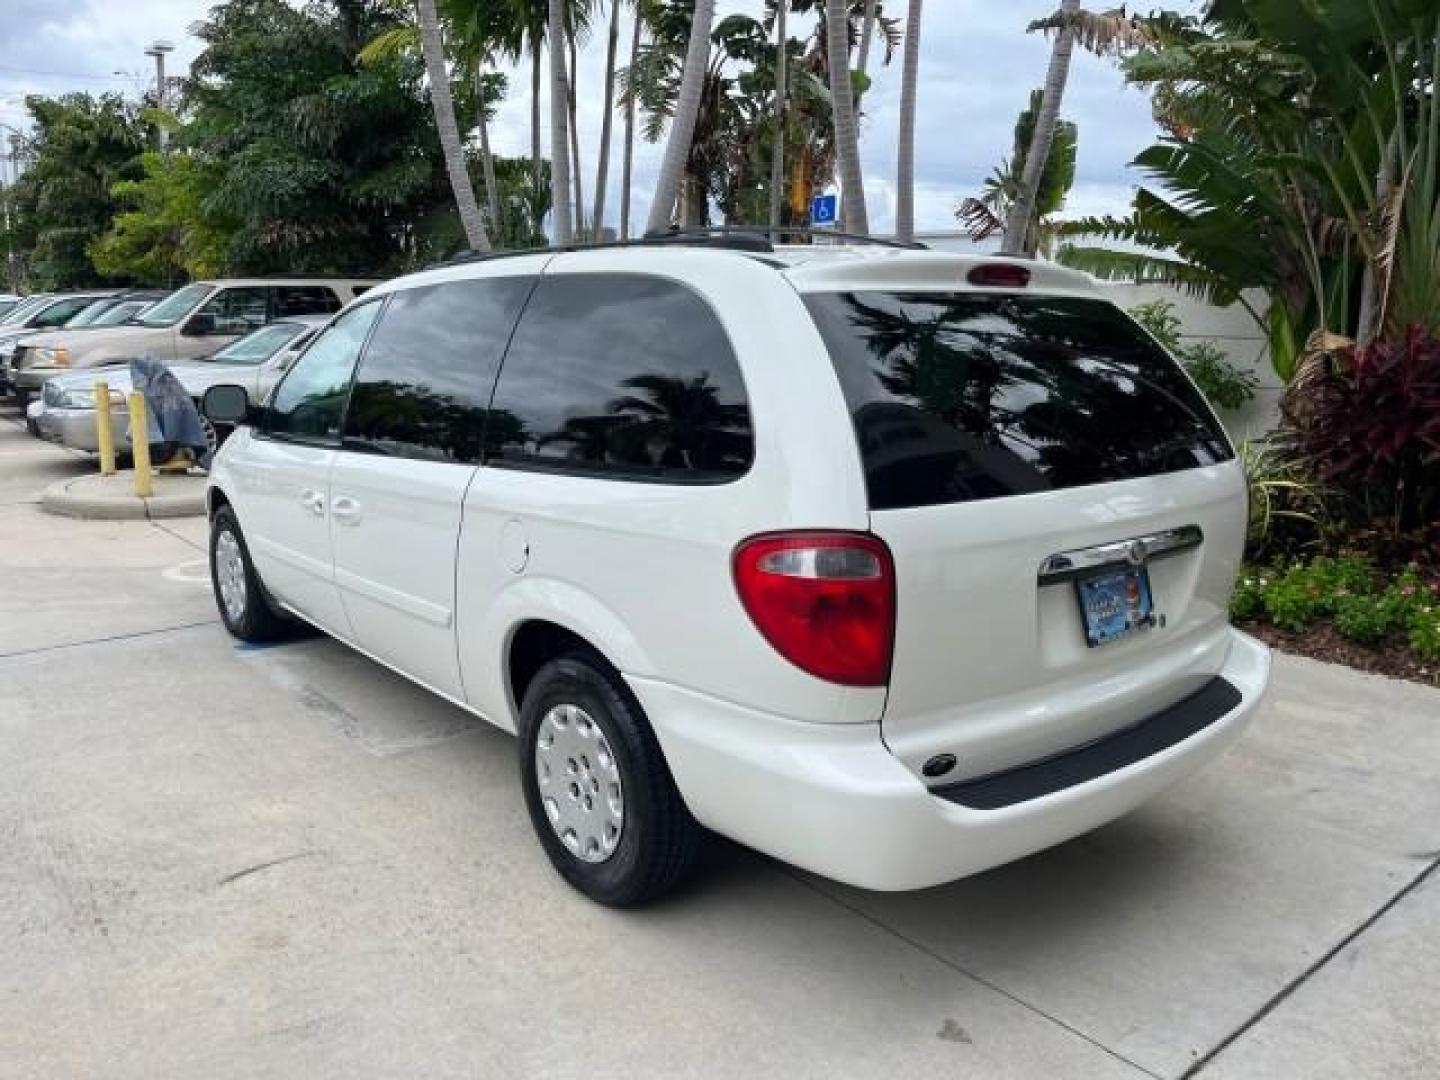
(6, 192)
(158, 48)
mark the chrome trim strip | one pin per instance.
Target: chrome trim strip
(1082, 562)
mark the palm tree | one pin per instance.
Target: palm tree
(687, 109)
(1104, 33)
(487, 159)
(449, 131)
(867, 31)
(905, 172)
(560, 208)
(628, 167)
(852, 182)
(1017, 221)
(602, 171)
(782, 79)
(984, 216)
(577, 177)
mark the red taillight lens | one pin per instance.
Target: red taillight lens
(999, 275)
(824, 600)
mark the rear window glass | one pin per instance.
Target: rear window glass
(958, 397)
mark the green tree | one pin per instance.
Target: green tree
(81, 147)
(985, 215)
(1300, 158)
(162, 236)
(322, 163)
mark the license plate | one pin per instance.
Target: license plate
(1115, 605)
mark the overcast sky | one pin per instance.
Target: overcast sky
(977, 68)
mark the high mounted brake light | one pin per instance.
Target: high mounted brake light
(999, 275)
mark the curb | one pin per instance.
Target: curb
(60, 499)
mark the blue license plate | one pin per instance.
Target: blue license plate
(1115, 605)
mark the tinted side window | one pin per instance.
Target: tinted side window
(62, 311)
(426, 379)
(960, 396)
(303, 300)
(310, 402)
(238, 310)
(625, 376)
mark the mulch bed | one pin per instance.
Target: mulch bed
(1321, 642)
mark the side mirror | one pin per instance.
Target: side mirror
(200, 324)
(226, 404)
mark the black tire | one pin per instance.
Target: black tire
(660, 844)
(258, 620)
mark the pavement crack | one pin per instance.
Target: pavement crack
(171, 532)
(62, 646)
(940, 958)
(258, 867)
(1300, 980)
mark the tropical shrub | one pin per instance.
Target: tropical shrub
(1368, 419)
(1425, 633)
(1360, 604)
(1295, 599)
(1287, 506)
(1366, 619)
(1223, 384)
(1299, 164)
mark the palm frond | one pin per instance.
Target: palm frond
(1105, 33)
(1146, 268)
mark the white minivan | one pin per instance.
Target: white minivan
(892, 564)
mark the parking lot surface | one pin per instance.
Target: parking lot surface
(223, 861)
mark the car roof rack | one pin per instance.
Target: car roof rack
(728, 239)
(744, 238)
(848, 237)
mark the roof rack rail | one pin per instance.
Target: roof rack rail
(751, 238)
(804, 230)
(729, 239)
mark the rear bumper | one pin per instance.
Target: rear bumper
(834, 800)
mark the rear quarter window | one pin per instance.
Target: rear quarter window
(957, 397)
(621, 376)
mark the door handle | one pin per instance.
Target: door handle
(345, 510)
(313, 501)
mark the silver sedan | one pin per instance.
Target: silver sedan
(65, 411)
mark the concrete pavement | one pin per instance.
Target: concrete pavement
(233, 862)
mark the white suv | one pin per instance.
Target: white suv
(892, 564)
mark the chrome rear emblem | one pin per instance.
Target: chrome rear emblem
(1135, 552)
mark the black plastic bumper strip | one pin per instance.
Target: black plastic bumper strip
(1084, 763)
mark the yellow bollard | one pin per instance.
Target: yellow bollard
(104, 430)
(140, 445)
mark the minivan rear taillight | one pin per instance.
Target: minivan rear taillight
(824, 600)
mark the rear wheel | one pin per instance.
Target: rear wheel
(600, 795)
(244, 608)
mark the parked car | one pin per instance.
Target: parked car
(38, 314)
(895, 565)
(8, 303)
(114, 310)
(193, 321)
(65, 411)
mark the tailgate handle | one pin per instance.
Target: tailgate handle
(1082, 562)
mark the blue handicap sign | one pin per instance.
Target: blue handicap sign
(824, 209)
